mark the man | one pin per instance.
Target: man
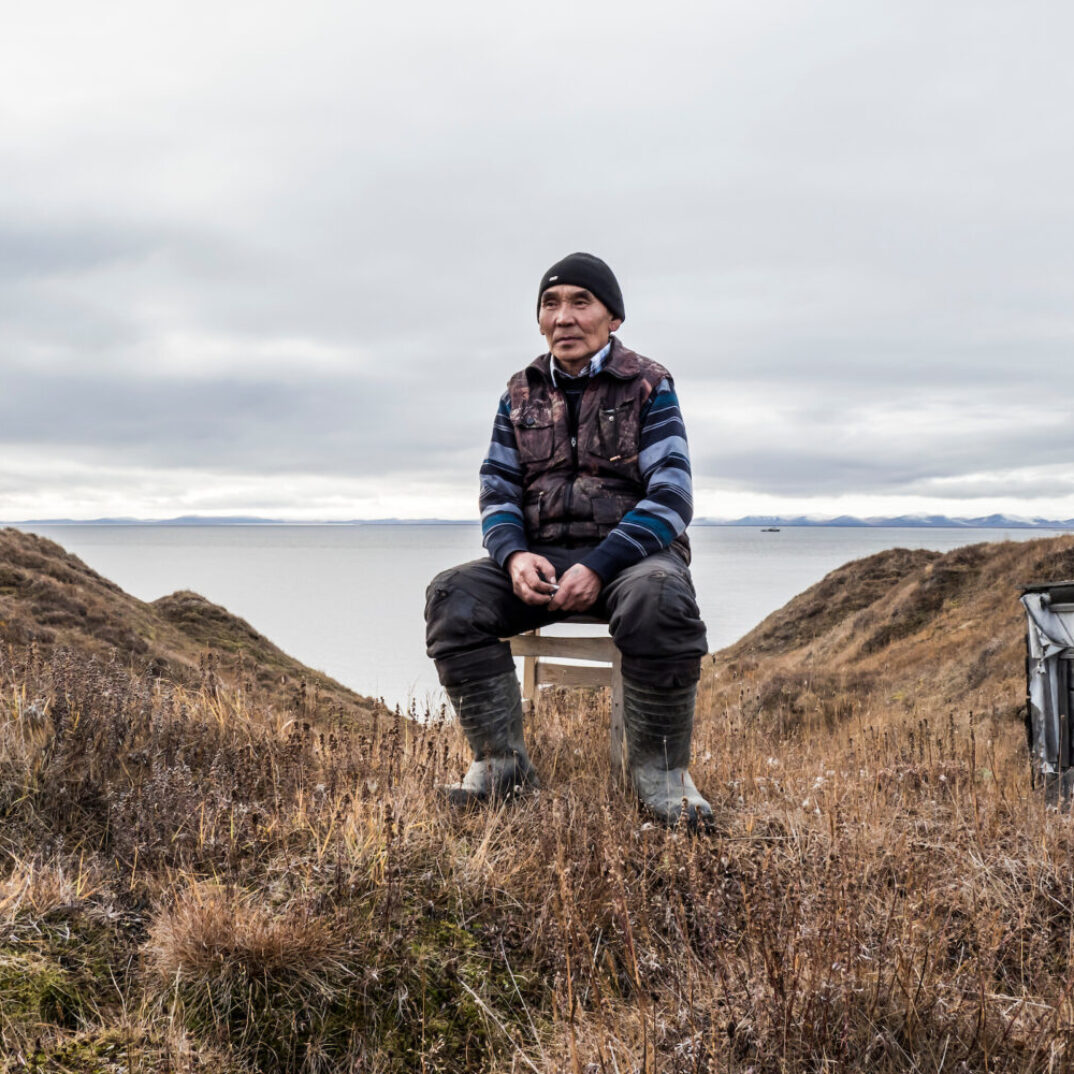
(585, 499)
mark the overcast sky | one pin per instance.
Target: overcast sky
(281, 259)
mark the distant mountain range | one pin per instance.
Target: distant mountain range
(998, 522)
(240, 520)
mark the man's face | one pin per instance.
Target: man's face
(575, 324)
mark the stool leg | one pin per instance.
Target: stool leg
(616, 740)
(529, 679)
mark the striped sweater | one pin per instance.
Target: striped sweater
(650, 526)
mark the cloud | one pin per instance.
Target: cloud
(258, 241)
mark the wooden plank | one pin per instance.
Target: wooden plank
(572, 675)
(575, 648)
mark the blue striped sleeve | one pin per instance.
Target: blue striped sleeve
(668, 504)
(500, 500)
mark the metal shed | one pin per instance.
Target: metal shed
(1050, 684)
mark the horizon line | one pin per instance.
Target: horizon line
(993, 521)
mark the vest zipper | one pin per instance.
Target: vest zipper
(569, 505)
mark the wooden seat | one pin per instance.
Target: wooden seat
(539, 670)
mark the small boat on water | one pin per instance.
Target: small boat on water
(770, 529)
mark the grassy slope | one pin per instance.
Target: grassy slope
(185, 886)
(893, 633)
(50, 598)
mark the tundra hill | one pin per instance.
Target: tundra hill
(897, 632)
(185, 894)
(51, 599)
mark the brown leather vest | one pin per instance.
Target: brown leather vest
(578, 493)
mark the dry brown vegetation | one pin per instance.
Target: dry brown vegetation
(51, 599)
(191, 878)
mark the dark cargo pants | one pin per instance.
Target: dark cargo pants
(651, 609)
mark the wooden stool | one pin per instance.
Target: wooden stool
(537, 671)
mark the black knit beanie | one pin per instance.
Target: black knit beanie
(585, 270)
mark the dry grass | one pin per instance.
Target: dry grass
(50, 599)
(189, 881)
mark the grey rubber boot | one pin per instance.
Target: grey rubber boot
(659, 724)
(490, 713)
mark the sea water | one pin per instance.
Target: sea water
(349, 599)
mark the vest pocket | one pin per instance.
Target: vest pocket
(617, 432)
(609, 510)
(533, 432)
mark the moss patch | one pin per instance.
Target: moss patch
(108, 1051)
(59, 971)
(35, 993)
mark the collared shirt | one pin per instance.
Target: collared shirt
(596, 363)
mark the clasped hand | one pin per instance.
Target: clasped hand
(534, 581)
